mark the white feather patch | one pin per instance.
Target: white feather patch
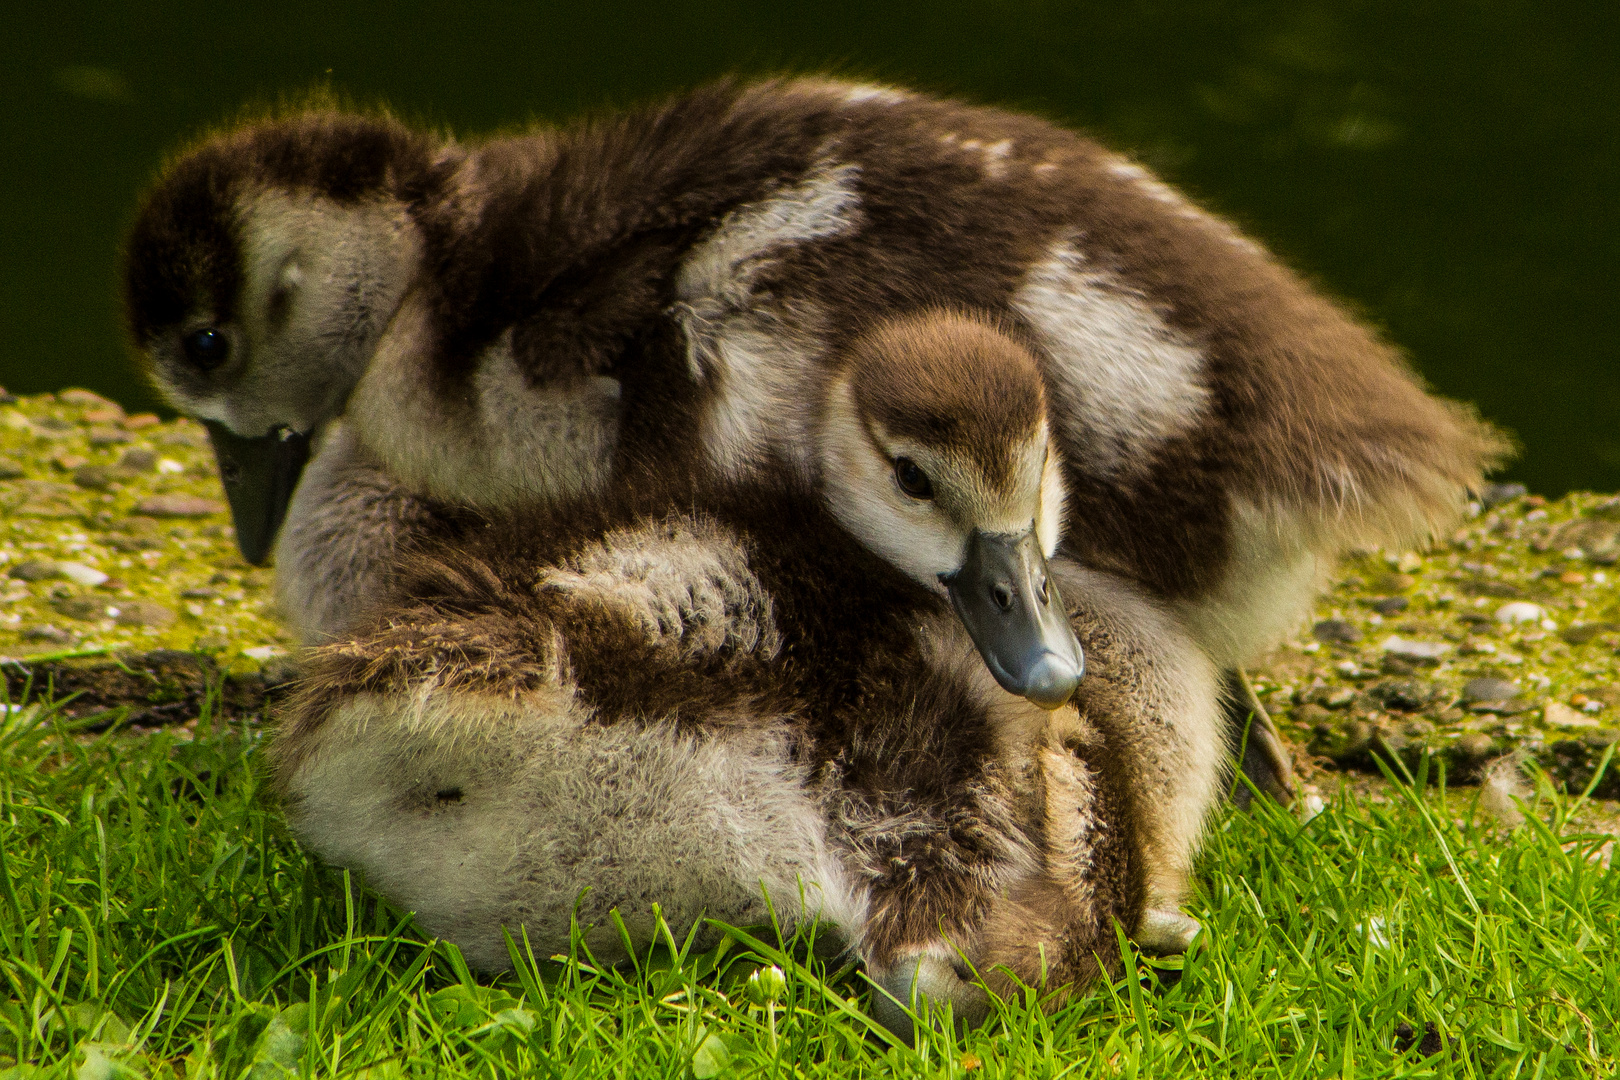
(1122, 380)
(759, 357)
(483, 813)
(688, 584)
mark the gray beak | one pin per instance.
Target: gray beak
(259, 475)
(1015, 616)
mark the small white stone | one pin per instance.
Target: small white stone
(1519, 611)
(1548, 624)
(1415, 650)
(1560, 715)
(1409, 562)
(1311, 805)
(1349, 668)
(80, 574)
(169, 465)
(263, 652)
(1600, 577)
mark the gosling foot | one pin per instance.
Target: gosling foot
(1165, 933)
(1266, 760)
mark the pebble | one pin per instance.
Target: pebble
(1331, 697)
(1520, 611)
(263, 652)
(84, 608)
(1391, 605)
(89, 399)
(1560, 715)
(138, 459)
(102, 477)
(1337, 631)
(46, 632)
(109, 436)
(10, 470)
(1479, 690)
(1419, 652)
(178, 506)
(142, 420)
(1475, 745)
(1401, 695)
(1497, 494)
(143, 613)
(80, 574)
(34, 570)
(1594, 538)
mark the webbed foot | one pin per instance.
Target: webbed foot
(1266, 760)
(1165, 933)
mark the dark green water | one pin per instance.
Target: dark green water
(1452, 169)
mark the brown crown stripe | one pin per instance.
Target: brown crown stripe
(954, 382)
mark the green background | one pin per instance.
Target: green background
(1451, 169)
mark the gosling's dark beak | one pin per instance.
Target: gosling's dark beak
(1015, 616)
(259, 475)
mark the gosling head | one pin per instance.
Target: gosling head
(935, 454)
(262, 267)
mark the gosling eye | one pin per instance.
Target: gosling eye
(912, 480)
(207, 348)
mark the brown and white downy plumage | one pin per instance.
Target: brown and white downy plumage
(662, 297)
(523, 321)
(673, 706)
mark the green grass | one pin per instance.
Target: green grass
(156, 920)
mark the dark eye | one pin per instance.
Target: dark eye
(206, 348)
(912, 480)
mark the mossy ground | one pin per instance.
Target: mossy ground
(137, 500)
(1388, 665)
